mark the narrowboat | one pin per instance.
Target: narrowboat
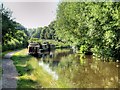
(37, 49)
(33, 48)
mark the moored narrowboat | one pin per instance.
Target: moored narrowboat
(33, 48)
(37, 48)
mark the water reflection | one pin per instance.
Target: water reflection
(46, 67)
(82, 71)
(53, 57)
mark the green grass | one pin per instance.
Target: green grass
(26, 78)
(31, 75)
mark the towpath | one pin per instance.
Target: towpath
(9, 74)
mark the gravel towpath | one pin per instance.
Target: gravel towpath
(9, 74)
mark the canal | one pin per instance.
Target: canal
(82, 71)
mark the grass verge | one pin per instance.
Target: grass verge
(31, 75)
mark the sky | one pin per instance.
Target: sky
(33, 14)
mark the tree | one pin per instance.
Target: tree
(90, 25)
(14, 35)
(8, 25)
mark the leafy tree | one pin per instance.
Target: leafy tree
(12, 36)
(89, 25)
(37, 33)
(8, 25)
(46, 32)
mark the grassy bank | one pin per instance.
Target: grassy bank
(31, 75)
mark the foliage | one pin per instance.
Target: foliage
(92, 24)
(46, 32)
(14, 35)
(58, 44)
(8, 27)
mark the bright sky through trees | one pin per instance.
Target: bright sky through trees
(33, 14)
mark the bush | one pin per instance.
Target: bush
(83, 48)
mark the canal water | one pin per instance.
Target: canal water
(82, 71)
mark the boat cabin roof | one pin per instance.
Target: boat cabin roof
(33, 45)
(44, 44)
